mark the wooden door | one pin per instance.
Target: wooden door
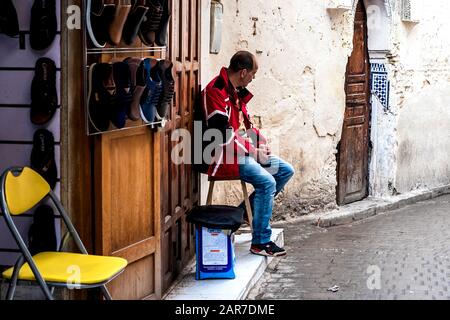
(141, 196)
(179, 183)
(353, 150)
(127, 207)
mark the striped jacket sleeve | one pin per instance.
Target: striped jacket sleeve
(217, 113)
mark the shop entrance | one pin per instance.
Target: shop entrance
(126, 196)
(179, 187)
(144, 195)
(353, 149)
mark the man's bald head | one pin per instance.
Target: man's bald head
(243, 67)
(242, 60)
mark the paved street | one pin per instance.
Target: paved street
(403, 254)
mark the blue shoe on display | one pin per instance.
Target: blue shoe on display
(153, 91)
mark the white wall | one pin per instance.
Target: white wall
(422, 84)
(302, 51)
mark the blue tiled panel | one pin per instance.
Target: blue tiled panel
(380, 83)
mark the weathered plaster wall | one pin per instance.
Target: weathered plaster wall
(382, 166)
(421, 79)
(302, 51)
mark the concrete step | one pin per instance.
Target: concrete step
(249, 268)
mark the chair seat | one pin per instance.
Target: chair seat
(59, 267)
(223, 178)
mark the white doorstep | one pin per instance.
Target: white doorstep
(248, 269)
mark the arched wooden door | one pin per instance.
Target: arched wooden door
(353, 150)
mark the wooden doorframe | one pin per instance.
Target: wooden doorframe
(76, 167)
(186, 15)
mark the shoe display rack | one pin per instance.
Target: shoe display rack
(31, 103)
(112, 54)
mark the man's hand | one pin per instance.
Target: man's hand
(265, 147)
(262, 157)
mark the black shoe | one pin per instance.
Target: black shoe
(42, 158)
(44, 97)
(42, 232)
(101, 96)
(99, 16)
(122, 79)
(164, 69)
(269, 249)
(134, 21)
(137, 86)
(161, 33)
(9, 24)
(43, 24)
(150, 24)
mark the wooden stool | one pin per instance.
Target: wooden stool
(212, 181)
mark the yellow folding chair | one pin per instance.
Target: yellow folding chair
(21, 190)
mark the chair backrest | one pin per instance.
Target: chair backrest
(22, 189)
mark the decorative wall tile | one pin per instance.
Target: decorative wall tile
(380, 83)
(411, 10)
(406, 10)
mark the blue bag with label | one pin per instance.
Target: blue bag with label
(214, 226)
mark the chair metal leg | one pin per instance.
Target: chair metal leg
(105, 292)
(11, 290)
(15, 276)
(247, 205)
(210, 193)
(13, 282)
(45, 290)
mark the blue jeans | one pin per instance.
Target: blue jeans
(267, 181)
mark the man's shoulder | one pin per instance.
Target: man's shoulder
(216, 88)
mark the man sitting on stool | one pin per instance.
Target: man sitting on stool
(245, 152)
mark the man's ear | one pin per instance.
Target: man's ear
(243, 73)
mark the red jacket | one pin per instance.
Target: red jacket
(221, 104)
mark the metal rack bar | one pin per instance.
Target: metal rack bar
(151, 124)
(88, 66)
(126, 50)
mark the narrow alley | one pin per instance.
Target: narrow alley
(403, 254)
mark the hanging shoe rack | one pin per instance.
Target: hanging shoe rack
(115, 50)
(101, 53)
